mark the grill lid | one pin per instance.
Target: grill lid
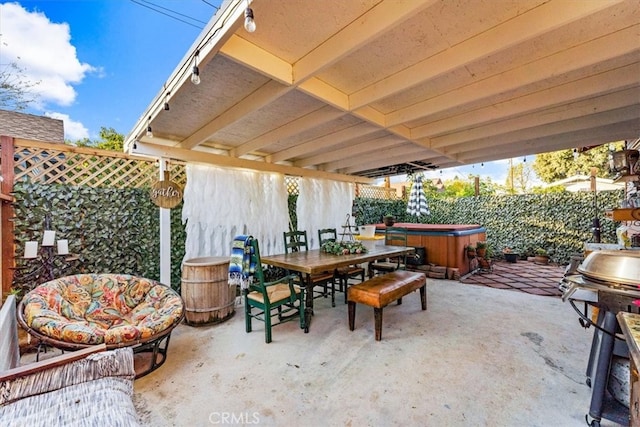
(617, 267)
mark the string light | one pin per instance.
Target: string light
(249, 22)
(482, 164)
(524, 160)
(149, 131)
(195, 73)
(166, 101)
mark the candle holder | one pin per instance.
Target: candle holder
(42, 261)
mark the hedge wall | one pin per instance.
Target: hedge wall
(557, 222)
(110, 230)
(113, 230)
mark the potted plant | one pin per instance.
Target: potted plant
(471, 251)
(484, 263)
(388, 220)
(481, 249)
(509, 255)
(541, 257)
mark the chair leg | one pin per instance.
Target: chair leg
(267, 325)
(247, 313)
(352, 315)
(301, 310)
(346, 287)
(333, 292)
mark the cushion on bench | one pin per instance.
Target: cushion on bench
(381, 290)
(102, 308)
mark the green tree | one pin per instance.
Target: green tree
(15, 89)
(110, 139)
(457, 187)
(565, 163)
(519, 178)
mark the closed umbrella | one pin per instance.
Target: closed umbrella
(417, 204)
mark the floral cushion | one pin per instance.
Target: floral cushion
(102, 308)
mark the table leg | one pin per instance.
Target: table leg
(308, 309)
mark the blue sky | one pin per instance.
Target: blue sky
(101, 62)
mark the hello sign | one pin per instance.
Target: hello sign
(166, 193)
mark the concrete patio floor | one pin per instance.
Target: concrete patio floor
(478, 356)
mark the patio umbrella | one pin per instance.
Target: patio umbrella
(417, 204)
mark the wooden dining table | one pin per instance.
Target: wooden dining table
(316, 261)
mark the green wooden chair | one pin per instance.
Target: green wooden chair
(396, 236)
(282, 295)
(296, 241)
(345, 273)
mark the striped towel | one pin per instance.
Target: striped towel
(241, 268)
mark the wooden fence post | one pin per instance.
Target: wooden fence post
(7, 150)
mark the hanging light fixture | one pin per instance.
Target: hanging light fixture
(524, 160)
(195, 72)
(249, 22)
(166, 101)
(149, 131)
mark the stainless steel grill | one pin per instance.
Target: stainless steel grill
(608, 282)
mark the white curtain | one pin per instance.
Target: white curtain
(220, 203)
(323, 204)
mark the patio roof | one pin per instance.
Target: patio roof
(355, 90)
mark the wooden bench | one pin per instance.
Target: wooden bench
(379, 291)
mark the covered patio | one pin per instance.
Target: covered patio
(358, 90)
(478, 356)
(347, 92)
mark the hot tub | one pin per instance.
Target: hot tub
(444, 243)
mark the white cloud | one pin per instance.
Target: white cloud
(72, 130)
(44, 51)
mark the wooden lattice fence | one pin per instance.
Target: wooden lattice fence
(361, 190)
(62, 164)
(47, 163)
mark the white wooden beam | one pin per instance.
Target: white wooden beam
(256, 100)
(547, 131)
(308, 121)
(377, 157)
(385, 15)
(456, 142)
(534, 23)
(602, 134)
(613, 46)
(354, 151)
(196, 156)
(603, 83)
(324, 142)
(246, 53)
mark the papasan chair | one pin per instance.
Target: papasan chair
(119, 310)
